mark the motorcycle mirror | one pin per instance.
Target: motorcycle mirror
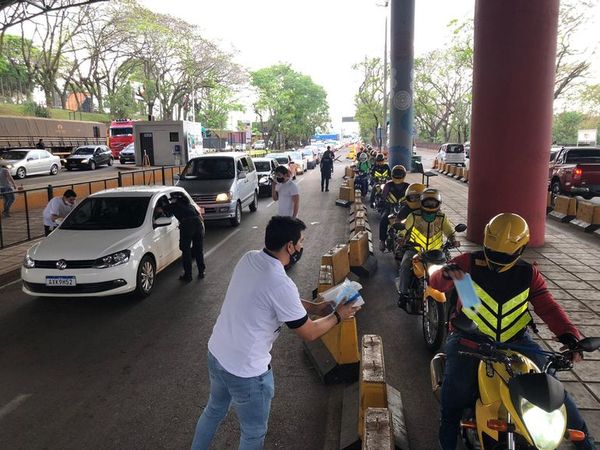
(464, 324)
(460, 228)
(590, 344)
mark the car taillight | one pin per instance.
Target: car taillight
(578, 172)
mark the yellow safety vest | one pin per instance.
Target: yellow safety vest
(501, 320)
(428, 235)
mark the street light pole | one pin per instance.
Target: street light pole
(385, 94)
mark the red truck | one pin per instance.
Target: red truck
(120, 136)
(576, 171)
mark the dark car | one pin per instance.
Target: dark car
(89, 157)
(127, 154)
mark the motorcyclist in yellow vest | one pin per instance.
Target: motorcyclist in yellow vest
(380, 173)
(505, 285)
(412, 202)
(425, 229)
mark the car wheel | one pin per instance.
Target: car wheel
(21, 173)
(235, 221)
(555, 188)
(254, 205)
(92, 165)
(54, 169)
(145, 278)
(122, 161)
(110, 161)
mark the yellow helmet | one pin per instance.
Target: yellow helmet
(413, 195)
(431, 200)
(398, 174)
(506, 236)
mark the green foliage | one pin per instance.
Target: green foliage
(369, 99)
(566, 124)
(13, 70)
(33, 109)
(289, 104)
(215, 105)
(122, 102)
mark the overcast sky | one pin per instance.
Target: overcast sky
(320, 38)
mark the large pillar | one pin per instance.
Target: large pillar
(402, 32)
(513, 84)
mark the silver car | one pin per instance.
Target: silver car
(30, 162)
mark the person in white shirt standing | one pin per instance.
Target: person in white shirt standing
(259, 300)
(285, 191)
(58, 208)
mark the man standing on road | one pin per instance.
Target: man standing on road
(259, 300)
(326, 168)
(285, 192)
(7, 188)
(58, 208)
(40, 145)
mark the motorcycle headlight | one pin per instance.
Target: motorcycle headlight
(433, 268)
(28, 263)
(545, 428)
(85, 161)
(224, 197)
(115, 259)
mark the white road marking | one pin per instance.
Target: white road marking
(314, 223)
(271, 204)
(13, 404)
(225, 239)
(10, 283)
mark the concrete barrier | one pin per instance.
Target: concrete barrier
(587, 217)
(379, 434)
(565, 208)
(339, 260)
(362, 261)
(466, 175)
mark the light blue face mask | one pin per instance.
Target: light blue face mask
(428, 217)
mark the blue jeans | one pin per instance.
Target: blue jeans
(9, 198)
(459, 391)
(251, 399)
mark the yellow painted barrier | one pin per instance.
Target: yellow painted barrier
(565, 208)
(466, 175)
(359, 248)
(342, 342)
(372, 386)
(339, 260)
(587, 216)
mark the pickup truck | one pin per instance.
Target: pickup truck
(576, 171)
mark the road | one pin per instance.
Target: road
(118, 373)
(64, 176)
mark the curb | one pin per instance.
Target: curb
(11, 275)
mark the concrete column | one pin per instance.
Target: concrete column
(513, 84)
(402, 32)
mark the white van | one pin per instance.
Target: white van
(452, 154)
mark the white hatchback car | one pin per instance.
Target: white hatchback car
(115, 241)
(452, 154)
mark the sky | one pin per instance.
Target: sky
(320, 38)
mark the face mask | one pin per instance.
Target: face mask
(295, 257)
(428, 217)
(280, 179)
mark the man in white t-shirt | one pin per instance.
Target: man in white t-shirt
(285, 192)
(58, 208)
(259, 300)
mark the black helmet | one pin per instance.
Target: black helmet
(380, 158)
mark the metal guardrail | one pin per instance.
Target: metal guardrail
(26, 224)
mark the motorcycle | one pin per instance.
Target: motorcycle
(519, 405)
(429, 303)
(377, 201)
(361, 182)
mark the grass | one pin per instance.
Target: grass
(7, 109)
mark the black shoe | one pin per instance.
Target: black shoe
(201, 275)
(326, 190)
(402, 300)
(185, 277)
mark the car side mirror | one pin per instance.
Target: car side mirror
(162, 222)
(30, 159)
(241, 175)
(460, 228)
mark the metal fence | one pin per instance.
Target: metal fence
(26, 223)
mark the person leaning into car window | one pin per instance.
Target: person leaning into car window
(57, 209)
(191, 233)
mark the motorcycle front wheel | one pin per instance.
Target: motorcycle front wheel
(434, 324)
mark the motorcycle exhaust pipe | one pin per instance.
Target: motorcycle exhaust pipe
(437, 368)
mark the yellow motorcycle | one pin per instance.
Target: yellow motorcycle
(520, 406)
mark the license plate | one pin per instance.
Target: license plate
(61, 281)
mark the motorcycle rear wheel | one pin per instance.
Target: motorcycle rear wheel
(434, 325)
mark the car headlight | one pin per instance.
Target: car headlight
(28, 263)
(115, 259)
(263, 180)
(545, 428)
(224, 197)
(9, 166)
(433, 268)
(85, 161)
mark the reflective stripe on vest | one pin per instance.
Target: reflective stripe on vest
(501, 322)
(435, 242)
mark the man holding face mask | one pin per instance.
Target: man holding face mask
(285, 192)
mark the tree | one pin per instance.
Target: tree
(215, 104)
(369, 99)
(14, 76)
(290, 105)
(566, 124)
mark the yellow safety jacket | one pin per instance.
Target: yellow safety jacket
(504, 312)
(428, 235)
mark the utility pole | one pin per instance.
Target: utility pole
(385, 94)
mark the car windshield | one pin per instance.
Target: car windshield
(107, 213)
(262, 166)
(589, 155)
(295, 155)
(14, 155)
(121, 131)
(129, 148)
(307, 152)
(282, 159)
(209, 169)
(84, 151)
(455, 148)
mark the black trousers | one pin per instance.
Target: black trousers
(325, 181)
(191, 242)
